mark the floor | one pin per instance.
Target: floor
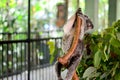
(47, 73)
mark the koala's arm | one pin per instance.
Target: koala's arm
(64, 59)
(72, 64)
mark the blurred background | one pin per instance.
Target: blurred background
(46, 15)
(30, 34)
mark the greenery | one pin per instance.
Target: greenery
(101, 60)
(55, 50)
(14, 16)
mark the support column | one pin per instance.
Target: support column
(112, 11)
(118, 9)
(91, 9)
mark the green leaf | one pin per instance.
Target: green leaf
(20, 17)
(38, 7)
(51, 45)
(105, 54)
(51, 59)
(117, 77)
(104, 75)
(102, 34)
(117, 51)
(89, 71)
(118, 36)
(114, 42)
(12, 3)
(114, 68)
(95, 33)
(108, 50)
(97, 58)
(3, 3)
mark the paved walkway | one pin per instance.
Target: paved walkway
(47, 73)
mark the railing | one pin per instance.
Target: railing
(14, 59)
(24, 35)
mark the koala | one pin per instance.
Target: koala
(72, 44)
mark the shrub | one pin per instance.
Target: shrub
(101, 60)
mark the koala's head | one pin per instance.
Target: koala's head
(87, 23)
(86, 20)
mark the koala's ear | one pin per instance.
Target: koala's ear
(89, 26)
(68, 26)
(88, 22)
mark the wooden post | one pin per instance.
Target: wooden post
(112, 11)
(77, 3)
(118, 9)
(66, 9)
(91, 9)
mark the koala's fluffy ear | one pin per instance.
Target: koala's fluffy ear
(68, 26)
(88, 22)
(89, 25)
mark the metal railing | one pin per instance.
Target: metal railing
(14, 59)
(23, 35)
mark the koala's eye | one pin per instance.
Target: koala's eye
(89, 24)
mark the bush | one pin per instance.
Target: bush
(101, 60)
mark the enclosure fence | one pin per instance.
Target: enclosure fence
(14, 59)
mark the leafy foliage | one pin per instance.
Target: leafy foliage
(54, 50)
(104, 60)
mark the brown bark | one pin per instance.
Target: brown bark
(63, 60)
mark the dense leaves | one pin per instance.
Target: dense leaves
(104, 60)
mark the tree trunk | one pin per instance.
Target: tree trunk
(66, 9)
(77, 3)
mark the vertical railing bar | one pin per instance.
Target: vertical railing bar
(16, 62)
(44, 60)
(42, 48)
(2, 59)
(25, 60)
(12, 46)
(40, 60)
(29, 66)
(38, 43)
(55, 47)
(43, 74)
(36, 59)
(47, 73)
(44, 51)
(32, 60)
(47, 57)
(36, 54)
(7, 61)
(21, 61)
(39, 63)
(45, 48)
